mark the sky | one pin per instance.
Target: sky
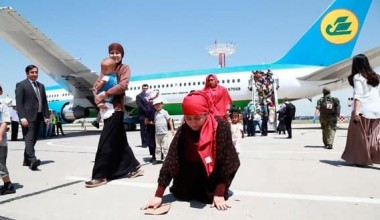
(166, 35)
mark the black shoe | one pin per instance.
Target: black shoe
(152, 160)
(34, 164)
(95, 124)
(9, 189)
(26, 163)
(329, 146)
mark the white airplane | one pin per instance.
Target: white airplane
(321, 58)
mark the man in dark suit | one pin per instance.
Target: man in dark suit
(142, 104)
(33, 110)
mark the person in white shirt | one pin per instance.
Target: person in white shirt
(8, 187)
(362, 145)
(162, 123)
(236, 130)
(15, 121)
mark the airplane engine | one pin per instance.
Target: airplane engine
(70, 113)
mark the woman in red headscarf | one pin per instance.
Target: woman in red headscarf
(114, 157)
(218, 94)
(202, 160)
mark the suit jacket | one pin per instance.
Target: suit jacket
(27, 100)
(142, 104)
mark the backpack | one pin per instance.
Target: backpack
(327, 105)
(290, 110)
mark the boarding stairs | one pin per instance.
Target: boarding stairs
(257, 96)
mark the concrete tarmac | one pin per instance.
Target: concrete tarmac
(279, 178)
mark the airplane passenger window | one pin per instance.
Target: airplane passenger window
(193, 83)
(223, 81)
(228, 81)
(171, 85)
(158, 86)
(180, 84)
(238, 80)
(199, 83)
(154, 86)
(233, 81)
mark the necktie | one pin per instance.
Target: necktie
(36, 90)
(38, 96)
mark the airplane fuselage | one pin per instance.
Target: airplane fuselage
(173, 87)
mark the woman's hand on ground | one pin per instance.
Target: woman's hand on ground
(154, 202)
(220, 203)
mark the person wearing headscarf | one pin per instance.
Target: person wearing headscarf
(114, 157)
(202, 160)
(218, 94)
(362, 143)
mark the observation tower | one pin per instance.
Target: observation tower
(222, 50)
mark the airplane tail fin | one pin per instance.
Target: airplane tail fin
(332, 37)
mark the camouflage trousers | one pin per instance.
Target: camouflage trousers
(328, 131)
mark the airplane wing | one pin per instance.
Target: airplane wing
(341, 70)
(43, 52)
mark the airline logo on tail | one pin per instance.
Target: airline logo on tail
(339, 26)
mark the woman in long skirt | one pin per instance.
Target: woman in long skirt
(114, 157)
(363, 136)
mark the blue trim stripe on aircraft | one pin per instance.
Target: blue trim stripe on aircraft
(54, 87)
(225, 70)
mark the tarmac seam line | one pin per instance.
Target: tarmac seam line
(39, 192)
(347, 199)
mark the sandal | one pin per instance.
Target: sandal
(136, 173)
(95, 183)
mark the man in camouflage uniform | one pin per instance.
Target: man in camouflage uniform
(328, 109)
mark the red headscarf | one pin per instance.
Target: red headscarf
(117, 47)
(198, 103)
(218, 95)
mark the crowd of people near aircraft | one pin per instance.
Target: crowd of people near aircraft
(211, 126)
